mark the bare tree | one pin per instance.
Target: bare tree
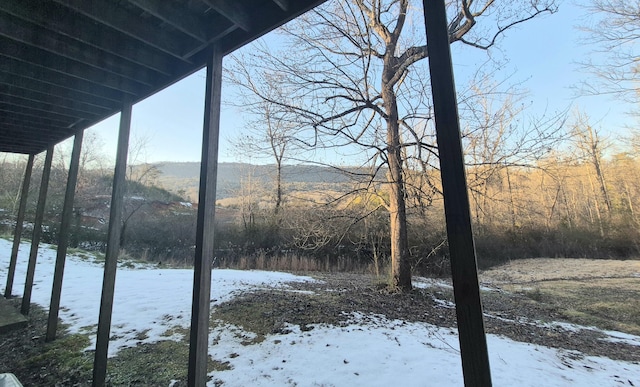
(11, 174)
(614, 35)
(270, 130)
(498, 136)
(351, 71)
(591, 146)
(140, 173)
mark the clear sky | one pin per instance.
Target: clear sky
(542, 54)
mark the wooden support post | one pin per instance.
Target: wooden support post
(24, 193)
(473, 344)
(37, 232)
(199, 335)
(113, 248)
(63, 238)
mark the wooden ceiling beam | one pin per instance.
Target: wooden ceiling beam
(222, 27)
(46, 107)
(18, 149)
(67, 64)
(109, 14)
(262, 25)
(69, 48)
(283, 4)
(7, 91)
(34, 121)
(13, 67)
(47, 91)
(178, 17)
(54, 17)
(9, 144)
(32, 132)
(233, 10)
(75, 69)
(22, 112)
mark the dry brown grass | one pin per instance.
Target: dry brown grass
(295, 263)
(603, 293)
(549, 269)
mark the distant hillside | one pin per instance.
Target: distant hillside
(183, 177)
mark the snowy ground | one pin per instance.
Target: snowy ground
(370, 351)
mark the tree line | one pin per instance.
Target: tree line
(578, 201)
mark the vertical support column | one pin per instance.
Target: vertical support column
(24, 193)
(113, 248)
(63, 238)
(37, 232)
(473, 344)
(199, 335)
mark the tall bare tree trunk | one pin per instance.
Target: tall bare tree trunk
(567, 208)
(278, 201)
(597, 205)
(603, 185)
(512, 204)
(629, 202)
(400, 267)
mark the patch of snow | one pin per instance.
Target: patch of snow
(143, 298)
(622, 338)
(374, 351)
(426, 283)
(444, 303)
(486, 288)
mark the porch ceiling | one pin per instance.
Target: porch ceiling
(68, 64)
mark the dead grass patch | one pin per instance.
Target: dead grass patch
(265, 313)
(601, 293)
(607, 303)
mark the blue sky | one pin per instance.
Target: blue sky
(542, 54)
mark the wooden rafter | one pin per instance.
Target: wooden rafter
(13, 67)
(232, 10)
(53, 17)
(130, 24)
(72, 62)
(36, 90)
(283, 4)
(60, 64)
(179, 18)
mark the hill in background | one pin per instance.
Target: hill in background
(182, 178)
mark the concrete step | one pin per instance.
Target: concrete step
(10, 317)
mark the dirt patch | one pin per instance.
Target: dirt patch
(62, 362)
(331, 302)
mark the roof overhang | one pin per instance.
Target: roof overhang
(66, 65)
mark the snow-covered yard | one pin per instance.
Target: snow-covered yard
(370, 350)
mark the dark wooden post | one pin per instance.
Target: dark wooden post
(24, 193)
(37, 232)
(199, 335)
(473, 344)
(63, 238)
(113, 248)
